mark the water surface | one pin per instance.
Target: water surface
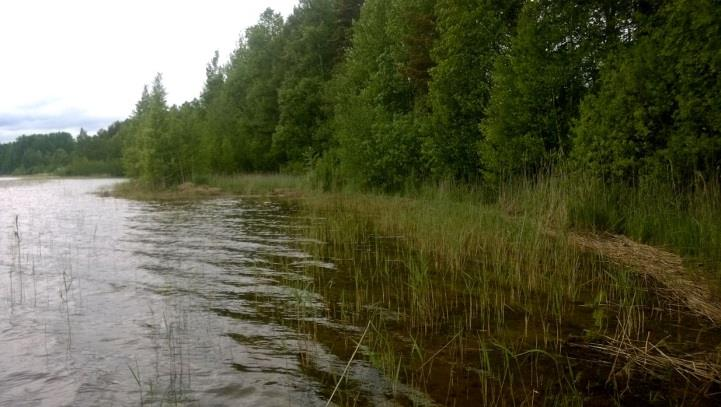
(106, 301)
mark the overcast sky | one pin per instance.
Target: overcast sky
(83, 63)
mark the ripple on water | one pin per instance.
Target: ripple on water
(112, 302)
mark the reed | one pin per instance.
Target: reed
(513, 269)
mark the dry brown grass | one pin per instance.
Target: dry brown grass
(647, 357)
(667, 268)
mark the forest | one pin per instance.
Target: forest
(384, 95)
(63, 154)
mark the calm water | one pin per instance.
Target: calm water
(105, 301)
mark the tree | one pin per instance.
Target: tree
(151, 153)
(132, 142)
(260, 76)
(379, 93)
(185, 131)
(314, 39)
(215, 153)
(472, 34)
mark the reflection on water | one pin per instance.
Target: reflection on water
(107, 301)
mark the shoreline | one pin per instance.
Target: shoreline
(454, 252)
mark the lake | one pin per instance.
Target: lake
(263, 301)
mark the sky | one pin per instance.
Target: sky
(83, 63)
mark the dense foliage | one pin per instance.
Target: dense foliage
(389, 93)
(658, 109)
(551, 65)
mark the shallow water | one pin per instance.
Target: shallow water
(105, 301)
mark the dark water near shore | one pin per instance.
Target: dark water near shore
(105, 301)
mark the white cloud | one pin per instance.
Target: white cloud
(86, 61)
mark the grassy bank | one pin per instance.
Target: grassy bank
(478, 295)
(495, 278)
(217, 185)
(687, 223)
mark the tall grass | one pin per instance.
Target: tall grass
(257, 184)
(460, 279)
(686, 220)
(452, 259)
(451, 271)
(213, 186)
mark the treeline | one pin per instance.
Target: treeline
(60, 153)
(387, 93)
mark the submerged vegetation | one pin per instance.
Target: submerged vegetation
(500, 302)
